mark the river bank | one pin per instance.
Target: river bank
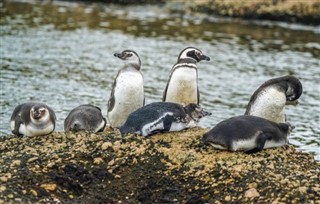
(293, 11)
(164, 168)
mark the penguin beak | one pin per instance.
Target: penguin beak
(204, 57)
(295, 102)
(119, 55)
(205, 113)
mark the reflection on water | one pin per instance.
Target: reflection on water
(62, 54)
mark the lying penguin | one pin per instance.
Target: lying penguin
(85, 118)
(162, 117)
(182, 86)
(270, 99)
(127, 93)
(32, 119)
(246, 133)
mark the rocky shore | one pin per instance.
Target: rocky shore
(164, 168)
(295, 11)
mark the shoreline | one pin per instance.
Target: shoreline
(168, 167)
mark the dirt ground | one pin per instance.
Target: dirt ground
(164, 168)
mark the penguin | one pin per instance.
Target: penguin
(270, 99)
(247, 133)
(182, 86)
(162, 117)
(85, 118)
(127, 93)
(32, 119)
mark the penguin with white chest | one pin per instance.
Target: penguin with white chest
(162, 117)
(247, 133)
(85, 118)
(270, 99)
(182, 86)
(32, 119)
(127, 93)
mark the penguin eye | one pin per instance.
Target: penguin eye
(128, 54)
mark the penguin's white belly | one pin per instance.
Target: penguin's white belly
(272, 143)
(129, 96)
(31, 130)
(177, 126)
(243, 145)
(101, 125)
(158, 125)
(183, 86)
(269, 104)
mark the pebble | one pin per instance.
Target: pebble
(49, 186)
(2, 188)
(105, 145)
(227, 198)
(32, 159)
(33, 192)
(16, 163)
(251, 193)
(98, 160)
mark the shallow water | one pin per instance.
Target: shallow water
(62, 54)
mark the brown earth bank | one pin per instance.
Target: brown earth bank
(164, 168)
(297, 11)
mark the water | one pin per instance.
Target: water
(62, 54)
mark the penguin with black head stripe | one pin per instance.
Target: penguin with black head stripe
(182, 86)
(127, 93)
(32, 119)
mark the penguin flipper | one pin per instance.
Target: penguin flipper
(17, 124)
(167, 122)
(261, 140)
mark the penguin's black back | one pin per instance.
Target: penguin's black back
(87, 116)
(243, 128)
(150, 113)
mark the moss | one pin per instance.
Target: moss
(170, 167)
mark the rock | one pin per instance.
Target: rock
(2, 188)
(251, 193)
(160, 169)
(98, 160)
(34, 192)
(49, 186)
(16, 163)
(227, 198)
(105, 145)
(32, 159)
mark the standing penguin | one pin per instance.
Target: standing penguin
(270, 99)
(182, 86)
(32, 119)
(162, 117)
(85, 118)
(247, 133)
(127, 93)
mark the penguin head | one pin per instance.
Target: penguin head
(195, 111)
(129, 56)
(286, 127)
(293, 90)
(39, 113)
(193, 53)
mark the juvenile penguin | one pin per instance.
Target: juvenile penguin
(32, 119)
(247, 133)
(162, 117)
(127, 93)
(270, 99)
(85, 118)
(182, 86)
